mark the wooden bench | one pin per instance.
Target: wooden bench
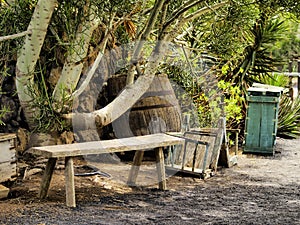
(68, 151)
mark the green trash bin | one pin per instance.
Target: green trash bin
(262, 118)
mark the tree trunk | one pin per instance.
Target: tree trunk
(74, 63)
(29, 55)
(102, 47)
(131, 93)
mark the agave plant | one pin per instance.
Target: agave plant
(289, 118)
(276, 79)
(257, 62)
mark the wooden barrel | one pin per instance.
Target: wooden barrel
(115, 85)
(156, 111)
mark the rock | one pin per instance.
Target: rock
(22, 135)
(87, 135)
(14, 123)
(41, 139)
(3, 192)
(67, 137)
(31, 172)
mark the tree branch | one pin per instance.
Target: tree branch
(142, 37)
(97, 61)
(151, 21)
(204, 10)
(10, 2)
(132, 92)
(13, 36)
(164, 14)
(182, 10)
(74, 64)
(165, 34)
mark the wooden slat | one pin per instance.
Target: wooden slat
(188, 171)
(266, 87)
(6, 154)
(253, 121)
(8, 171)
(7, 136)
(213, 136)
(107, 146)
(220, 136)
(267, 127)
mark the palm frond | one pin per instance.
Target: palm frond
(289, 118)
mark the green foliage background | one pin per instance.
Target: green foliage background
(228, 49)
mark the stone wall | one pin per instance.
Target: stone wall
(8, 98)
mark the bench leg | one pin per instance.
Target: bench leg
(70, 187)
(47, 178)
(137, 161)
(160, 167)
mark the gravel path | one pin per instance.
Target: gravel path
(259, 190)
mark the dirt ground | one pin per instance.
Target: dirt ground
(259, 190)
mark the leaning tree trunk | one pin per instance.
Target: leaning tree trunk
(74, 63)
(29, 55)
(133, 92)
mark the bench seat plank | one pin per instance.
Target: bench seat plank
(107, 146)
(68, 151)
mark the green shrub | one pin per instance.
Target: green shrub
(233, 103)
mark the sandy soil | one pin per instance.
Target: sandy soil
(259, 190)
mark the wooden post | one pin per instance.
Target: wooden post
(137, 162)
(298, 81)
(160, 167)
(236, 142)
(47, 177)
(184, 155)
(291, 91)
(186, 122)
(70, 187)
(290, 66)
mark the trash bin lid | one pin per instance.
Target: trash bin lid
(292, 74)
(263, 89)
